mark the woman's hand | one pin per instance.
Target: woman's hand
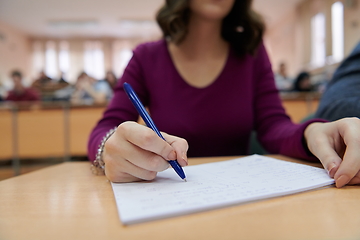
(135, 152)
(337, 145)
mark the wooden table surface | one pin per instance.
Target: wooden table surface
(66, 201)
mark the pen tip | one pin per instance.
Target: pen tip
(185, 179)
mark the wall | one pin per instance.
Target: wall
(280, 41)
(15, 52)
(352, 25)
(289, 40)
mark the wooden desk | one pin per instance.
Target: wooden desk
(41, 133)
(68, 202)
(49, 130)
(6, 139)
(81, 123)
(300, 105)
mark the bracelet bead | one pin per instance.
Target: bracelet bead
(98, 166)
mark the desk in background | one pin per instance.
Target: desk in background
(61, 130)
(6, 139)
(58, 129)
(46, 130)
(299, 105)
(67, 202)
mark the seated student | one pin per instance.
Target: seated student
(88, 90)
(41, 82)
(282, 81)
(342, 95)
(47, 86)
(20, 92)
(111, 79)
(208, 84)
(302, 83)
(62, 80)
(3, 92)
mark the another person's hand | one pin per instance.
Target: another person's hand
(337, 145)
(135, 152)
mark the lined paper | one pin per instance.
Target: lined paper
(214, 185)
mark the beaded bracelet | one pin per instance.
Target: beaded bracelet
(98, 166)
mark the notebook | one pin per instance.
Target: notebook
(214, 185)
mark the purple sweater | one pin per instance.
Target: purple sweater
(216, 120)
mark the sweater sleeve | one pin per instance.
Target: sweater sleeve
(275, 131)
(120, 108)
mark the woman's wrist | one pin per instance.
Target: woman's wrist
(309, 129)
(308, 134)
(98, 166)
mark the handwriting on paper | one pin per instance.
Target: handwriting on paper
(214, 185)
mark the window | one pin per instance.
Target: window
(94, 59)
(337, 28)
(64, 59)
(121, 57)
(38, 59)
(50, 60)
(318, 50)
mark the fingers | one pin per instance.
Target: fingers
(322, 147)
(147, 139)
(181, 146)
(348, 171)
(120, 170)
(355, 180)
(142, 158)
(135, 152)
(329, 159)
(126, 162)
(349, 168)
(337, 145)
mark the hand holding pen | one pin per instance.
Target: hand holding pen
(135, 152)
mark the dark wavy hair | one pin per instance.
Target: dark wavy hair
(242, 27)
(16, 73)
(299, 79)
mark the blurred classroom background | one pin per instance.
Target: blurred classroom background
(66, 55)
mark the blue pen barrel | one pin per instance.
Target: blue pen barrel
(178, 169)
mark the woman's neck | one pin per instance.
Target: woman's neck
(203, 39)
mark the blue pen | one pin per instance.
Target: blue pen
(149, 122)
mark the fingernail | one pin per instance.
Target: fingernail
(184, 157)
(172, 155)
(330, 168)
(342, 181)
